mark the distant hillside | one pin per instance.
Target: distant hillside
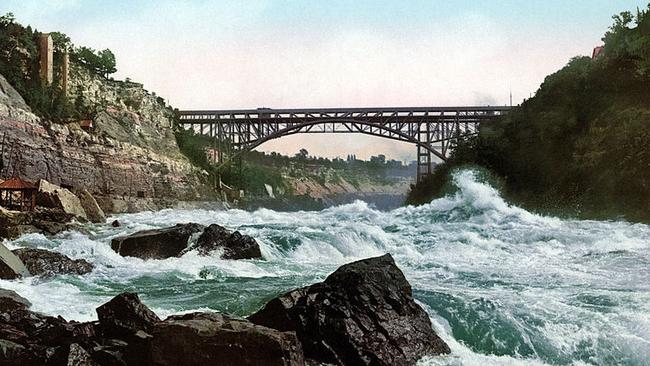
(311, 178)
(581, 145)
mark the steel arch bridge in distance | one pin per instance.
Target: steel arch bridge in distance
(432, 129)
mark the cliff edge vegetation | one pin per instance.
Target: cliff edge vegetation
(580, 146)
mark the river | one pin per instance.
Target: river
(503, 286)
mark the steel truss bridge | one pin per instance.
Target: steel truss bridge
(432, 129)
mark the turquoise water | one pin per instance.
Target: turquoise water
(503, 286)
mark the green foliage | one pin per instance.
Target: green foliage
(61, 42)
(430, 187)
(193, 147)
(19, 65)
(581, 144)
(100, 62)
(628, 41)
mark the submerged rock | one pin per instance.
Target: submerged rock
(174, 242)
(362, 314)
(234, 244)
(217, 339)
(156, 243)
(41, 262)
(116, 223)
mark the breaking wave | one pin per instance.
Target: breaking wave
(503, 286)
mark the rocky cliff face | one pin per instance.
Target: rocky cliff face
(131, 152)
(307, 186)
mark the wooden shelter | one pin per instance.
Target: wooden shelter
(18, 194)
(87, 124)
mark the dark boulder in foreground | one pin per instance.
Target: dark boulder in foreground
(362, 314)
(125, 315)
(234, 244)
(28, 338)
(174, 242)
(41, 262)
(129, 333)
(217, 339)
(14, 297)
(156, 243)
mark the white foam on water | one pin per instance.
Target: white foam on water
(564, 288)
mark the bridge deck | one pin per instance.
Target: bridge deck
(432, 129)
(340, 112)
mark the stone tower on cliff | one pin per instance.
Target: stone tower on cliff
(46, 58)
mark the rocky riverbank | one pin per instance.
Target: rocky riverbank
(362, 314)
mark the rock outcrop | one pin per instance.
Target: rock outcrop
(211, 338)
(29, 338)
(53, 196)
(175, 241)
(47, 221)
(11, 267)
(129, 333)
(234, 244)
(362, 314)
(130, 153)
(94, 213)
(14, 297)
(125, 315)
(156, 243)
(41, 262)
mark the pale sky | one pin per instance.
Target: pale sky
(292, 54)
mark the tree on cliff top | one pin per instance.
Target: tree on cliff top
(100, 62)
(625, 43)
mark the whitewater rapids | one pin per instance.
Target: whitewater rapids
(503, 286)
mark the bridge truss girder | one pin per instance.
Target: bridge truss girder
(432, 130)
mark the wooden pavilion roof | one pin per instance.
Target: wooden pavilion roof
(15, 183)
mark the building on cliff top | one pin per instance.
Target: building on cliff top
(598, 51)
(19, 194)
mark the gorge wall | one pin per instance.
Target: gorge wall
(130, 153)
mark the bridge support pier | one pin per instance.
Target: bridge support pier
(423, 154)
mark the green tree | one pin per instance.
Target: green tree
(107, 62)
(99, 62)
(61, 42)
(7, 19)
